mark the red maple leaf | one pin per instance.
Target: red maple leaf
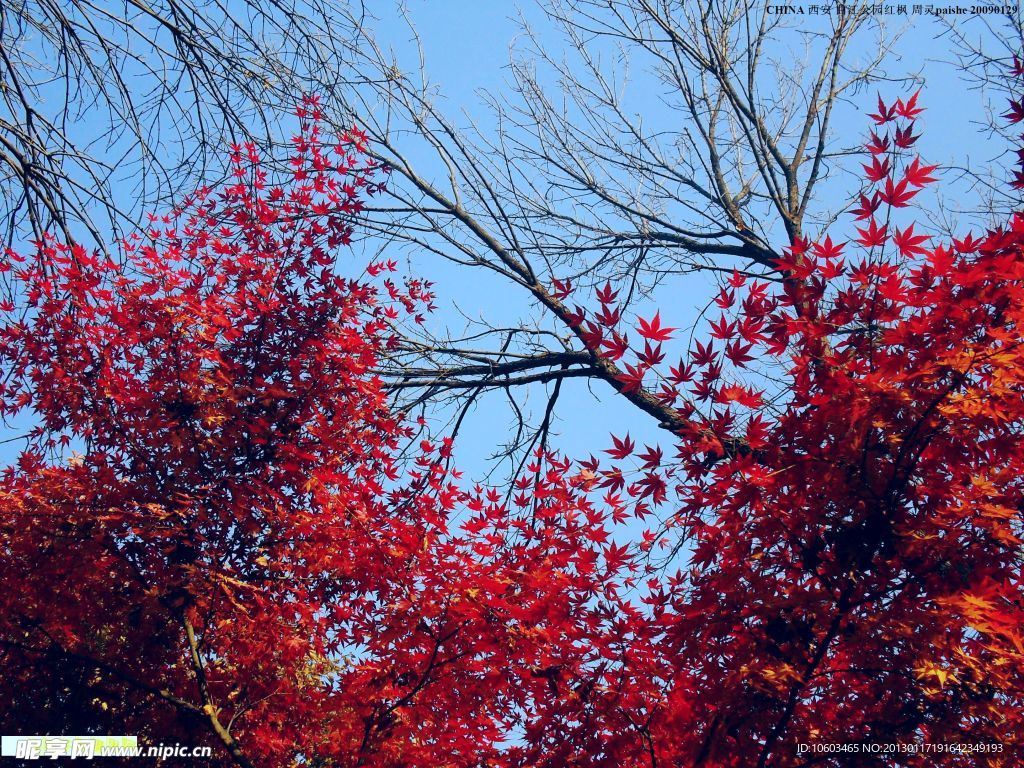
(897, 195)
(917, 174)
(653, 330)
(908, 243)
(1016, 112)
(909, 109)
(905, 137)
(616, 346)
(867, 206)
(622, 448)
(606, 295)
(562, 288)
(877, 170)
(877, 144)
(827, 249)
(873, 235)
(884, 114)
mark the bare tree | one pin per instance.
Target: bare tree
(576, 178)
(108, 108)
(983, 53)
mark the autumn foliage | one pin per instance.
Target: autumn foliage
(214, 534)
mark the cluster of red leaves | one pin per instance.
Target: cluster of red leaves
(854, 568)
(877, 507)
(211, 538)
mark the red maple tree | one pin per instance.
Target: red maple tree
(210, 537)
(853, 584)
